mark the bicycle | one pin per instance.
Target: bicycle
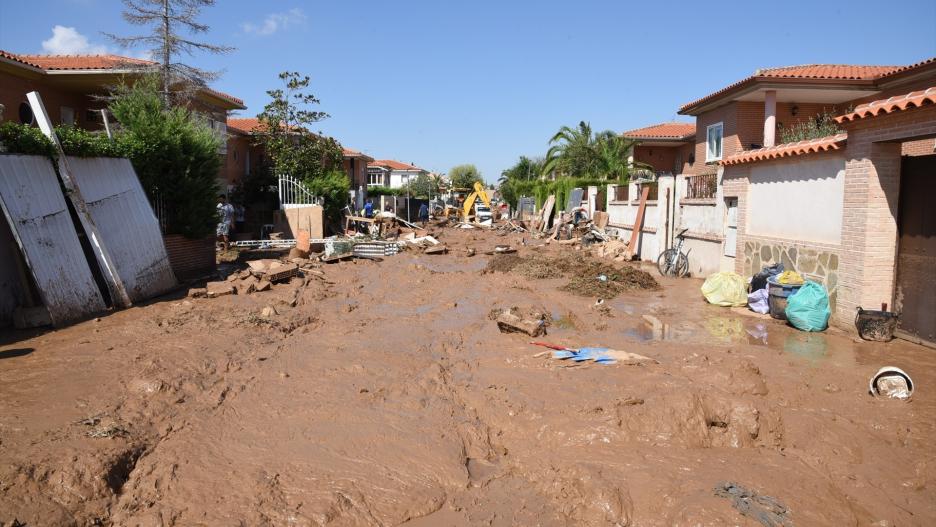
(673, 262)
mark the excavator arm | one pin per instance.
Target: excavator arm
(470, 200)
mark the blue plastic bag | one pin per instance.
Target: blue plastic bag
(808, 308)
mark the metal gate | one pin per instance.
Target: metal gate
(915, 295)
(31, 198)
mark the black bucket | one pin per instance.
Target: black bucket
(876, 325)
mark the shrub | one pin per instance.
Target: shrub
(334, 187)
(174, 153)
(384, 191)
(822, 125)
(82, 143)
(18, 138)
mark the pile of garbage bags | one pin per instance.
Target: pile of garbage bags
(807, 308)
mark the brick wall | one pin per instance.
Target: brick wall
(921, 147)
(872, 186)
(190, 258)
(661, 158)
(727, 115)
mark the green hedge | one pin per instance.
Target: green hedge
(541, 190)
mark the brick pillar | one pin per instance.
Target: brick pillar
(869, 232)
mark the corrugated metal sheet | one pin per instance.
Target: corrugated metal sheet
(128, 227)
(10, 287)
(34, 206)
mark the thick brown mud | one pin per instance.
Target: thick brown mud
(386, 396)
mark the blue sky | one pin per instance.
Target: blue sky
(439, 83)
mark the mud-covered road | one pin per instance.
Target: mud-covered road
(386, 396)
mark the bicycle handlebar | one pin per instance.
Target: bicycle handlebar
(684, 231)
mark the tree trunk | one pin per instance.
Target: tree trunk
(165, 54)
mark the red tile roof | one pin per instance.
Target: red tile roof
(393, 165)
(909, 69)
(98, 62)
(16, 58)
(354, 153)
(807, 72)
(244, 125)
(251, 125)
(663, 131)
(84, 62)
(827, 71)
(823, 144)
(914, 99)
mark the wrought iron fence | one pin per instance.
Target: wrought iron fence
(701, 187)
(159, 208)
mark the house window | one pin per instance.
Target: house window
(713, 142)
(374, 178)
(68, 115)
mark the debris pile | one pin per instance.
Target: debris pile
(587, 276)
(259, 276)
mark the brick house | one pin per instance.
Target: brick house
(71, 85)
(245, 157)
(845, 209)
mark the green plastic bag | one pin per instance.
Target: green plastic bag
(725, 289)
(808, 308)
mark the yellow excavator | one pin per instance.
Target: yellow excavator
(463, 209)
(470, 202)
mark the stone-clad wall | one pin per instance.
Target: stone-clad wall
(814, 261)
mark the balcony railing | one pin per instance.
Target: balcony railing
(701, 187)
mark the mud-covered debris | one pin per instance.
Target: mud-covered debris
(765, 510)
(436, 249)
(502, 263)
(268, 312)
(532, 321)
(264, 285)
(216, 289)
(197, 292)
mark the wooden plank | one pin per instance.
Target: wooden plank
(547, 212)
(638, 223)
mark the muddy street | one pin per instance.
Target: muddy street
(382, 393)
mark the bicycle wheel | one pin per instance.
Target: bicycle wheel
(682, 266)
(667, 263)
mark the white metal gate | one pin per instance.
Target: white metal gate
(31, 199)
(293, 194)
(127, 224)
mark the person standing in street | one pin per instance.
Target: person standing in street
(225, 221)
(424, 214)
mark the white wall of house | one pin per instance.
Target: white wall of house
(398, 178)
(704, 219)
(797, 199)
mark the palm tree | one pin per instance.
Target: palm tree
(572, 152)
(615, 152)
(525, 169)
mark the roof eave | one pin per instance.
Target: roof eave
(757, 83)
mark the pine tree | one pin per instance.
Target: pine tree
(168, 20)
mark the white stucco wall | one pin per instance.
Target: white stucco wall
(798, 199)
